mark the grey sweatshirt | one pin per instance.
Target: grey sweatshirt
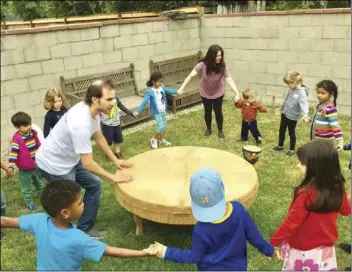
(113, 119)
(295, 103)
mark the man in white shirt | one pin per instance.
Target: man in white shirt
(67, 152)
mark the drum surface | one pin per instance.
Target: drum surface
(252, 148)
(160, 189)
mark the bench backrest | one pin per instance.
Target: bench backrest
(75, 88)
(175, 69)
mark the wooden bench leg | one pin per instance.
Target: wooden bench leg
(139, 225)
(174, 105)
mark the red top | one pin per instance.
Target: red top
(305, 230)
(249, 111)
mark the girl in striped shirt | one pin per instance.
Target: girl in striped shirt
(325, 124)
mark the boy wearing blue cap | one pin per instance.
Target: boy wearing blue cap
(220, 235)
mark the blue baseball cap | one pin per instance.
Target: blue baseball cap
(207, 195)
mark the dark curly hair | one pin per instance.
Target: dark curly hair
(330, 87)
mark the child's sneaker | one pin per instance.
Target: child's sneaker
(290, 153)
(165, 143)
(32, 207)
(278, 148)
(259, 140)
(154, 143)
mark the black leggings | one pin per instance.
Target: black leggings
(291, 124)
(209, 105)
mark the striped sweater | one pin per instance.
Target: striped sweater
(29, 141)
(325, 124)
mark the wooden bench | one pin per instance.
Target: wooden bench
(126, 90)
(175, 72)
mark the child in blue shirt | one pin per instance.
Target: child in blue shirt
(219, 237)
(156, 96)
(60, 245)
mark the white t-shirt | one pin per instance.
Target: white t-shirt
(70, 137)
(159, 99)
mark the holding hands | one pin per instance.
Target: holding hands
(156, 249)
(305, 119)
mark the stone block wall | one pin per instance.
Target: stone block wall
(259, 50)
(31, 63)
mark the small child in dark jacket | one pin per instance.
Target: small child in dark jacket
(250, 106)
(54, 103)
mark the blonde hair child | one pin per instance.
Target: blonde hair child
(294, 105)
(55, 103)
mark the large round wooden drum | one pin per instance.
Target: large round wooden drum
(160, 189)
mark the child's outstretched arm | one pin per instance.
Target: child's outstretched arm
(169, 91)
(303, 103)
(10, 222)
(239, 103)
(123, 107)
(254, 236)
(126, 253)
(188, 78)
(143, 103)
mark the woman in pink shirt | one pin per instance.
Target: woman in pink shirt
(212, 87)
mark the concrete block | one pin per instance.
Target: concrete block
(301, 68)
(309, 57)
(45, 38)
(341, 46)
(145, 75)
(4, 121)
(147, 51)
(9, 42)
(279, 80)
(7, 103)
(28, 69)
(278, 44)
(93, 59)
(302, 20)
(114, 56)
(14, 86)
(160, 26)
(311, 82)
(155, 37)
(289, 32)
(344, 85)
(335, 32)
(311, 32)
(7, 72)
(103, 45)
(112, 67)
(275, 90)
(142, 64)
(331, 19)
(90, 33)
(344, 110)
(130, 53)
(299, 45)
(265, 32)
(241, 21)
(332, 58)
(277, 68)
(175, 25)
(183, 34)
(122, 42)
(190, 23)
(276, 20)
(145, 27)
(230, 54)
(66, 74)
(23, 100)
(165, 48)
(36, 53)
(12, 57)
(344, 98)
(288, 56)
(191, 44)
(194, 33)
(341, 72)
(263, 78)
(240, 65)
(109, 31)
(321, 45)
(68, 36)
(239, 43)
(127, 29)
(318, 70)
(249, 54)
(258, 67)
(39, 111)
(224, 22)
(170, 36)
(53, 66)
(268, 56)
(206, 22)
(226, 43)
(234, 32)
(43, 81)
(244, 76)
(139, 39)
(81, 48)
(258, 44)
(71, 63)
(60, 50)
(90, 70)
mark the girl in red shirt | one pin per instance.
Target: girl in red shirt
(309, 231)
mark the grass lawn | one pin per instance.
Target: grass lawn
(277, 177)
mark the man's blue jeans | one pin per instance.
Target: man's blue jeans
(92, 185)
(3, 204)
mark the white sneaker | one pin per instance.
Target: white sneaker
(154, 143)
(165, 143)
